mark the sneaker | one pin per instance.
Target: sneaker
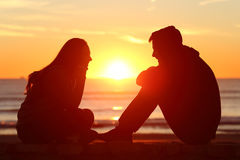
(87, 137)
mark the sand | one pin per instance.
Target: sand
(144, 146)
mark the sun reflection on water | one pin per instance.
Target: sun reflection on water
(116, 108)
(115, 118)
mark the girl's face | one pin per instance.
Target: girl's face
(84, 56)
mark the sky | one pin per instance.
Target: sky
(33, 31)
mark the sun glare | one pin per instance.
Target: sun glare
(118, 70)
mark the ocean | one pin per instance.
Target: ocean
(108, 99)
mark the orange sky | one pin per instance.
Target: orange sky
(33, 31)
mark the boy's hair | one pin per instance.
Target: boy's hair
(169, 36)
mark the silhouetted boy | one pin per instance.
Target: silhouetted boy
(184, 87)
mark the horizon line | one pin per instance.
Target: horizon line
(15, 78)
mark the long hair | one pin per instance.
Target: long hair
(73, 52)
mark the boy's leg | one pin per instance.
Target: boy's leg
(137, 112)
(132, 118)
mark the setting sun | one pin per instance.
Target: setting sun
(118, 70)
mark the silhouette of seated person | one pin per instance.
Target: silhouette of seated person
(183, 86)
(50, 110)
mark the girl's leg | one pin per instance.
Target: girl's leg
(85, 118)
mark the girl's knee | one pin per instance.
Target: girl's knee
(89, 116)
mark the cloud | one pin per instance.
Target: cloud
(127, 38)
(21, 3)
(206, 2)
(36, 17)
(199, 32)
(25, 31)
(75, 31)
(10, 30)
(151, 8)
(132, 39)
(237, 25)
(194, 32)
(22, 28)
(15, 34)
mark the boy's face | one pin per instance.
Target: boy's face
(163, 50)
(159, 50)
(156, 54)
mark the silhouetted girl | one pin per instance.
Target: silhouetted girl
(50, 110)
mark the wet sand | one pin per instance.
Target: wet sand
(145, 146)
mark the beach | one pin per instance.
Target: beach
(154, 140)
(144, 146)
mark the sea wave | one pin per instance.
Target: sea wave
(113, 92)
(230, 97)
(2, 99)
(104, 96)
(158, 122)
(229, 91)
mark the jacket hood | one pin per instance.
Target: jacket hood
(191, 51)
